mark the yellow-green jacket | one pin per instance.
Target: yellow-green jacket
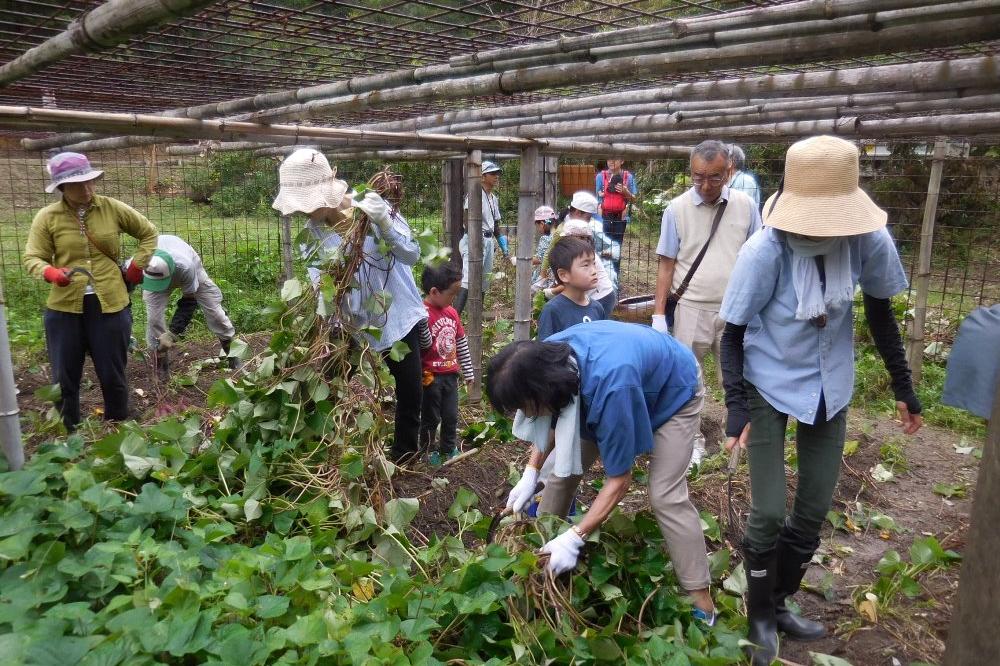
(55, 239)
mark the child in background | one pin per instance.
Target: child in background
(446, 356)
(545, 218)
(574, 265)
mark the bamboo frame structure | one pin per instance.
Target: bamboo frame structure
(529, 190)
(474, 226)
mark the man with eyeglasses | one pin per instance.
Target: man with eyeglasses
(712, 221)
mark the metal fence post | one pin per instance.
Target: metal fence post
(915, 351)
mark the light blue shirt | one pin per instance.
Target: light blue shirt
(632, 380)
(793, 362)
(743, 181)
(669, 245)
(602, 244)
(973, 371)
(379, 274)
(599, 189)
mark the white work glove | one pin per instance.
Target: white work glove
(660, 323)
(549, 293)
(521, 494)
(513, 261)
(167, 340)
(563, 551)
(376, 209)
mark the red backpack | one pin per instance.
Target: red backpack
(615, 203)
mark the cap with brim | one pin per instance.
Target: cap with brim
(70, 168)
(157, 274)
(491, 167)
(820, 196)
(307, 184)
(544, 214)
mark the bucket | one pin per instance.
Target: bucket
(576, 177)
(636, 309)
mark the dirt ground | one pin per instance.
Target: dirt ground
(915, 630)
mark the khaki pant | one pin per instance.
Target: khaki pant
(668, 493)
(209, 298)
(700, 331)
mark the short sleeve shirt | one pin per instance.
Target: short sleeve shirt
(560, 313)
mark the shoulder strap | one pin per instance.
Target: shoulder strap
(86, 231)
(604, 183)
(720, 211)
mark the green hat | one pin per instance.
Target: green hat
(158, 272)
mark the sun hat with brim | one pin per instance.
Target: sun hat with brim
(70, 168)
(307, 183)
(490, 167)
(544, 213)
(584, 201)
(158, 272)
(820, 195)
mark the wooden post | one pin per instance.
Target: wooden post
(973, 632)
(153, 172)
(453, 181)
(550, 181)
(526, 203)
(922, 281)
(474, 331)
(286, 246)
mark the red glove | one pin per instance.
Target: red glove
(133, 275)
(58, 276)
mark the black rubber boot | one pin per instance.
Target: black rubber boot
(793, 553)
(234, 362)
(763, 628)
(162, 364)
(460, 298)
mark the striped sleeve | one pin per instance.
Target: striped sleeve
(464, 358)
(425, 335)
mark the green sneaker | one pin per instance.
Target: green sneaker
(434, 459)
(454, 453)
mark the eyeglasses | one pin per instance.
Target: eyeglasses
(714, 180)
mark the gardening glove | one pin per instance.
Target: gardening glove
(57, 276)
(522, 493)
(549, 293)
(502, 242)
(133, 274)
(167, 340)
(563, 551)
(376, 209)
(660, 323)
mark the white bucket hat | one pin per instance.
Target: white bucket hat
(820, 195)
(490, 167)
(307, 183)
(584, 202)
(70, 168)
(544, 214)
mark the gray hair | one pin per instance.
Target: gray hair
(709, 150)
(737, 157)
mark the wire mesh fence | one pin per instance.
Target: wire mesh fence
(220, 204)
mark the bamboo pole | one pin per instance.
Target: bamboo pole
(10, 426)
(453, 182)
(973, 633)
(915, 354)
(153, 175)
(286, 247)
(104, 27)
(474, 234)
(679, 28)
(528, 193)
(550, 180)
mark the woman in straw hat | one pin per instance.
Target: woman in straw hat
(309, 185)
(74, 245)
(787, 350)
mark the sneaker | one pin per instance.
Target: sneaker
(454, 453)
(708, 620)
(434, 459)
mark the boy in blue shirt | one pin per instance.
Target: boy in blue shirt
(574, 265)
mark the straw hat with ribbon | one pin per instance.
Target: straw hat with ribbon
(308, 183)
(70, 168)
(820, 195)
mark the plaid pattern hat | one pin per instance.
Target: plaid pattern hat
(70, 168)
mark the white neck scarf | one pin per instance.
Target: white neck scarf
(836, 253)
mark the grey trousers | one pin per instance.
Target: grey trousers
(668, 493)
(209, 298)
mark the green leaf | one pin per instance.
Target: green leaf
(252, 509)
(307, 630)
(737, 581)
(464, 500)
(850, 447)
(49, 393)
(399, 351)
(52, 650)
(352, 465)
(400, 512)
(297, 547)
(949, 489)
(270, 605)
(16, 547)
(827, 660)
(222, 392)
(22, 482)
(291, 290)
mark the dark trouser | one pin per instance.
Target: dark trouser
(614, 227)
(440, 406)
(820, 449)
(408, 374)
(70, 337)
(186, 307)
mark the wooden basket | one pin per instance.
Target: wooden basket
(576, 177)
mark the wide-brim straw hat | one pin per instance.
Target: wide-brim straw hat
(70, 168)
(820, 195)
(308, 182)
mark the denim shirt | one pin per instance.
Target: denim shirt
(744, 181)
(378, 273)
(793, 362)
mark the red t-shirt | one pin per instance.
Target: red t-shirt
(446, 329)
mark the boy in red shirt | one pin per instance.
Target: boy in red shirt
(447, 355)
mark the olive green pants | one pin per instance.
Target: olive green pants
(820, 450)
